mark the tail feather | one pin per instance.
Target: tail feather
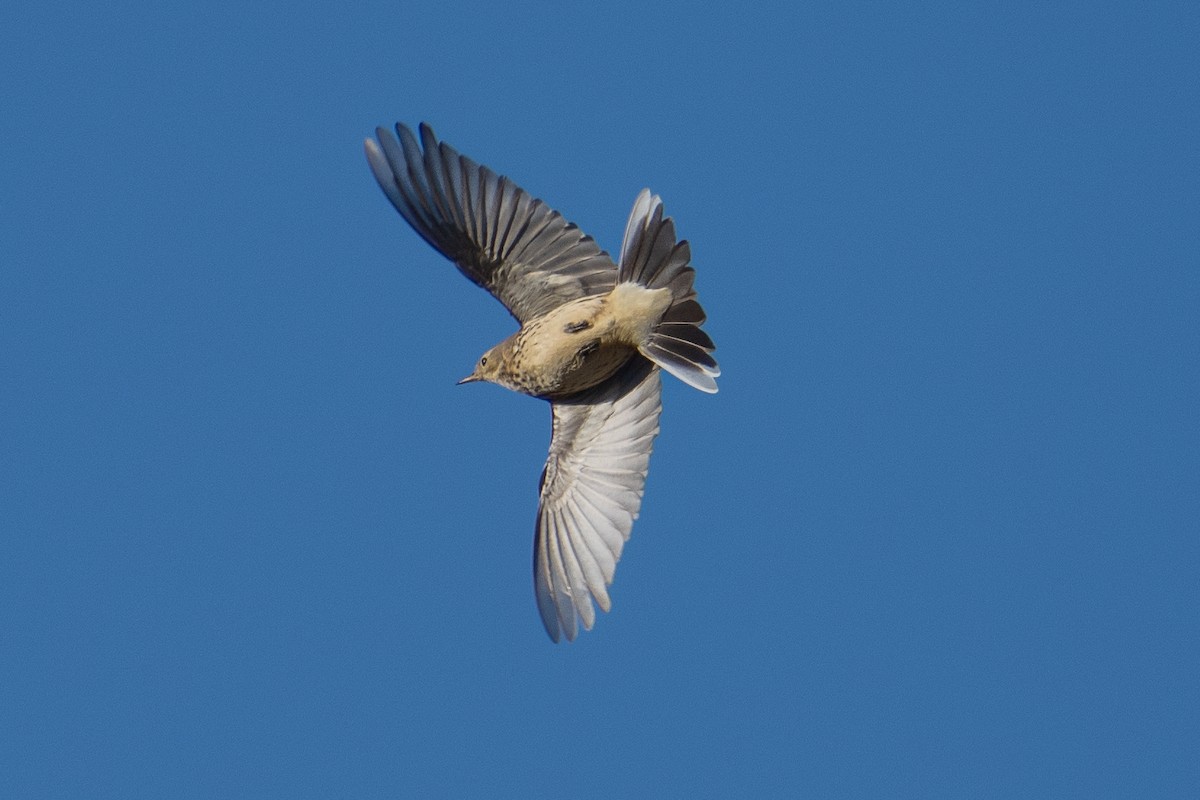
(688, 311)
(676, 364)
(651, 257)
(681, 284)
(694, 354)
(688, 333)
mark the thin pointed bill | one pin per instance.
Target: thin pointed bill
(472, 378)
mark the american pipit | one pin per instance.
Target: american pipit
(592, 338)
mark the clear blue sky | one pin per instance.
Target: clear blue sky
(937, 536)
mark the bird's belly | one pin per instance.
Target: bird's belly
(558, 369)
(590, 369)
(568, 351)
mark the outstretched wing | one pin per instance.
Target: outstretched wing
(591, 493)
(513, 245)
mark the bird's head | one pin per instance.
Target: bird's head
(487, 368)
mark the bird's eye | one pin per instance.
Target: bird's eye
(483, 361)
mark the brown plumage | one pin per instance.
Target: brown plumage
(593, 335)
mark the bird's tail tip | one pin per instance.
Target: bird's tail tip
(651, 256)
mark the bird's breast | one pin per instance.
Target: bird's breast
(567, 350)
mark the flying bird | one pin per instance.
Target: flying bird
(593, 336)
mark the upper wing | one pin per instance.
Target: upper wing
(511, 244)
(591, 493)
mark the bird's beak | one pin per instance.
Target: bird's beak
(469, 379)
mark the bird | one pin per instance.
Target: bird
(594, 337)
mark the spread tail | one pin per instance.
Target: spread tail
(651, 257)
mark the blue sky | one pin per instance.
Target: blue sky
(935, 537)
